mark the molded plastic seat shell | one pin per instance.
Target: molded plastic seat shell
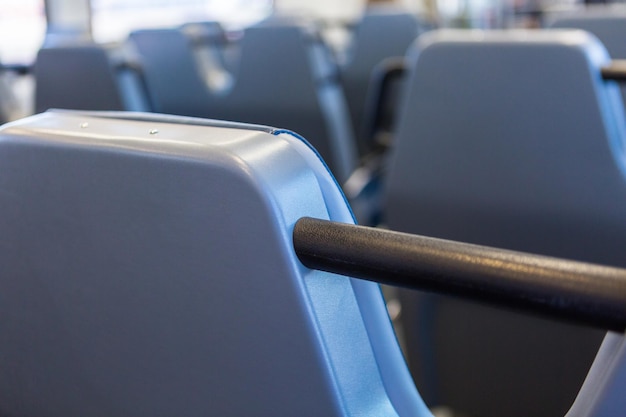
(513, 140)
(147, 269)
(285, 77)
(77, 77)
(602, 394)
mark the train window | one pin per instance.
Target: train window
(22, 30)
(112, 20)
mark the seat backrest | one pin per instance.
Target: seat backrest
(209, 45)
(12, 105)
(507, 139)
(380, 34)
(147, 269)
(602, 394)
(282, 79)
(606, 22)
(88, 76)
(214, 39)
(171, 73)
(76, 77)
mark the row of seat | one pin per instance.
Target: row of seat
(148, 269)
(493, 149)
(281, 73)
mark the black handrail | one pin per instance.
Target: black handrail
(574, 291)
(19, 69)
(381, 106)
(616, 71)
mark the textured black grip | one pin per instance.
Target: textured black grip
(574, 291)
(616, 71)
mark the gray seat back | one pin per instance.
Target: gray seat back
(147, 269)
(287, 77)
(381, 33)
(606, 22)
(284, 78)
(508, 139)
(88, 77)
(75, 77)
(172, 76)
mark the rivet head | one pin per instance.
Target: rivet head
(154, 131)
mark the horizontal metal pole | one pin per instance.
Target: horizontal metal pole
(616, 71)
(574, 291)
(20, 69)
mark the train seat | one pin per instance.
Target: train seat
(509, 139)
(88, 76)
(172, 75)
(147, 269)
(381, 33)
(285, 77)
(213, 53)
(606, 22)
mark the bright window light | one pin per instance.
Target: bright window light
(22, 30)
(113, 20)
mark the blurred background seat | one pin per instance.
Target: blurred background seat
(285, 76)
(606, 22)
(88, 76)
(509, 139)
(383, 32)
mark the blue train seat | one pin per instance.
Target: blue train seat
(213, 53)
(88, 76)
(285, 77)
(602, 394)
(172, 75)
(508, 139)
(606, 22)
(381, 33)
(147, 269)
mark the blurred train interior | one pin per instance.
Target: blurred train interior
(492, 122)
